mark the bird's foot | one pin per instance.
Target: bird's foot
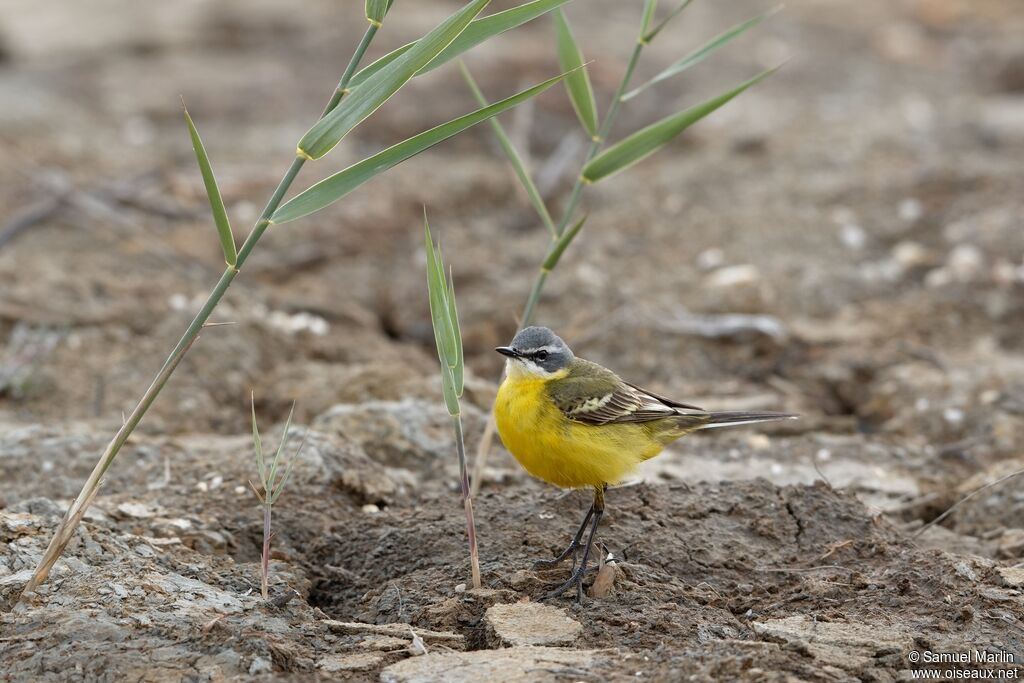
(575, 580)
(573, 550)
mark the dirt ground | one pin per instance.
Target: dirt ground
(845, 241)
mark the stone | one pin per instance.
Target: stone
(260, 665)
(394, 630)
(509, 665)
(1012, 576)
(358, 661)
(531, 623)
(384, 643)
(849, 646)
(1011, 544)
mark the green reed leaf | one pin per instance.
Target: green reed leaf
(333, 188)
(453, 315)
(444, 319)
(650, 35)
(220, 214)
(577, 83)
(376, 11)
(437, 291)
(648, 140)
(561, 244)
(513, 156)
(700, 53)
(451, 394)
(477, 32)
(369, 95)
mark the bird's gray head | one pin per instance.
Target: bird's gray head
(537, 351)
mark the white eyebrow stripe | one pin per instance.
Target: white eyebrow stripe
(549, 348)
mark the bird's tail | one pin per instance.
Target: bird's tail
(742, 417)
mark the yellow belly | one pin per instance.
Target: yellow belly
(562, 452)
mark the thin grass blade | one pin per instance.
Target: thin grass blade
(334, 187)
(279, 487)
(376, 10)
(581, 93)
(700, 53)
(280, 449)
(649, 8)
(257, 443)
(560, 246)
(368, 96)
(648, 140)
(284, 479)
(650, 35)
(220, 214)
(478, 31)
(513, 156)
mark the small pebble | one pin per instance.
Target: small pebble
(938, 277)
(732, 276)
(853, 236)
(759, 442)
(910, 254)
(910, 209)
(965, 262)
(370, 509)
(989, 396)
(709, 259)
(461, 588)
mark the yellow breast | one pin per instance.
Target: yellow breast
(558, 450)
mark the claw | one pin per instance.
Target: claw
(579, 571)
(573, 548)
(576, 579)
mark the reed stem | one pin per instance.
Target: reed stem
(265, 565)
(467, 500)
(73, 517)
(577, 189)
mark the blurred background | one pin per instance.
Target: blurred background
(860, 212)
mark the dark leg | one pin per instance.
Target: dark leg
(596, 510)
(571, 550)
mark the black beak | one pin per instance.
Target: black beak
(507, 351)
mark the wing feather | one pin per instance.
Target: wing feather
(596, 396)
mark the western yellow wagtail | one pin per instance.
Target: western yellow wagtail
(576, 424)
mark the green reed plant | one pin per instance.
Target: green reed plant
(447, 336)
(358, 94)
(602, 159)
(272, 483)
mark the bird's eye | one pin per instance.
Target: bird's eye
(541, 355)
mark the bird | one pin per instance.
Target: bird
(576, 424)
